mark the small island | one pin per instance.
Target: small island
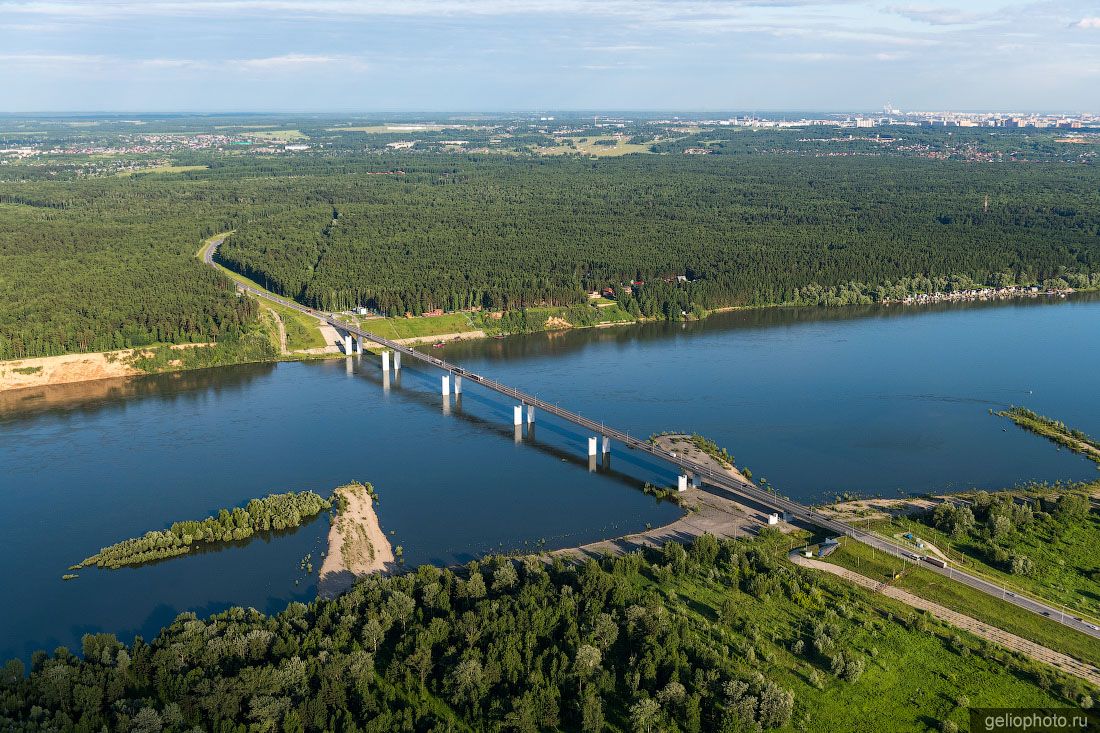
(356, 544)
(1055, 431)
(273, 512)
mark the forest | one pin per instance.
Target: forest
(272, 512)
(718, 636)
(511, 233)
(105, 263)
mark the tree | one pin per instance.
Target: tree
(587, 661)
(645, 714)
(1022, 565)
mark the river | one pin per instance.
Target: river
(877, 400)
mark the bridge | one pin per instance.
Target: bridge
(792, 510)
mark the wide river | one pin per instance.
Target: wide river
(818, 401)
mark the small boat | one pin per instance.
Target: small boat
(438, 345)
(499, 336)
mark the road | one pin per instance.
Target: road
(1016, 643)
(792, 509)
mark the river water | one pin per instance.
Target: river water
(878, 400)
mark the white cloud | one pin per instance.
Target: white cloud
(293, 61)
(283, 64)
(1093, 23)
(933, 15)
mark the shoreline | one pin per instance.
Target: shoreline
(102, 365)
(357, 546)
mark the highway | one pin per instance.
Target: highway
(743, 490)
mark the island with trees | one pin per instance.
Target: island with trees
(272, 512)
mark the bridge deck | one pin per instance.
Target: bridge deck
(740, 489)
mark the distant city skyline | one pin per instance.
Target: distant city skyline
(498, 55)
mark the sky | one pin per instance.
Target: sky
(523, 55)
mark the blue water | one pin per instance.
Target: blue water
(875, 400)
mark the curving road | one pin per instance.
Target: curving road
(742, 490)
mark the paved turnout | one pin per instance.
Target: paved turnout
(793, 510)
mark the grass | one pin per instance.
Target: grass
(410, 128)
(1066, 567)
(915, 676)
(302, 331)
(963, 599)
(589, 147)
(419, 327)
(278, 135)
(163, 169)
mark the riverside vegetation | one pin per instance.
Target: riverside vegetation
(719, 636)
(1040, 539)
(1057, 431)
(273, 512)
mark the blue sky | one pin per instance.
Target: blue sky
(501, 55)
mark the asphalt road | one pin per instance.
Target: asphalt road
(792, 509)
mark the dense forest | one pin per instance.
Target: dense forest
(108, 262)
(102, 265)
(720, 636)
(272, 512)
(510, 233)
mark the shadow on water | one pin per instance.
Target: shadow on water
(572, 340)
(91, 397)
(502, 429)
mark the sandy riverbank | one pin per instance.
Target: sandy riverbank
(356, 544)
(71, 368)
(681, 444)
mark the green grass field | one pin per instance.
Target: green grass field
(301, 330)
(933, 587)
(914, 679)
(588, 146)
(1067, 568)
(163, 169)
(278, 135)
(419, 327)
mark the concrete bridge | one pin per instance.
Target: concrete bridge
(602, 436)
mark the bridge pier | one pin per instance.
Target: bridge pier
(530, 415)
(606, 445)
(517, 415)
(458, 384)
(347, 344)
(592, 446)
(681, 482)
(446, 385)
(397, 361)
(696, 481)
(386, 362)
